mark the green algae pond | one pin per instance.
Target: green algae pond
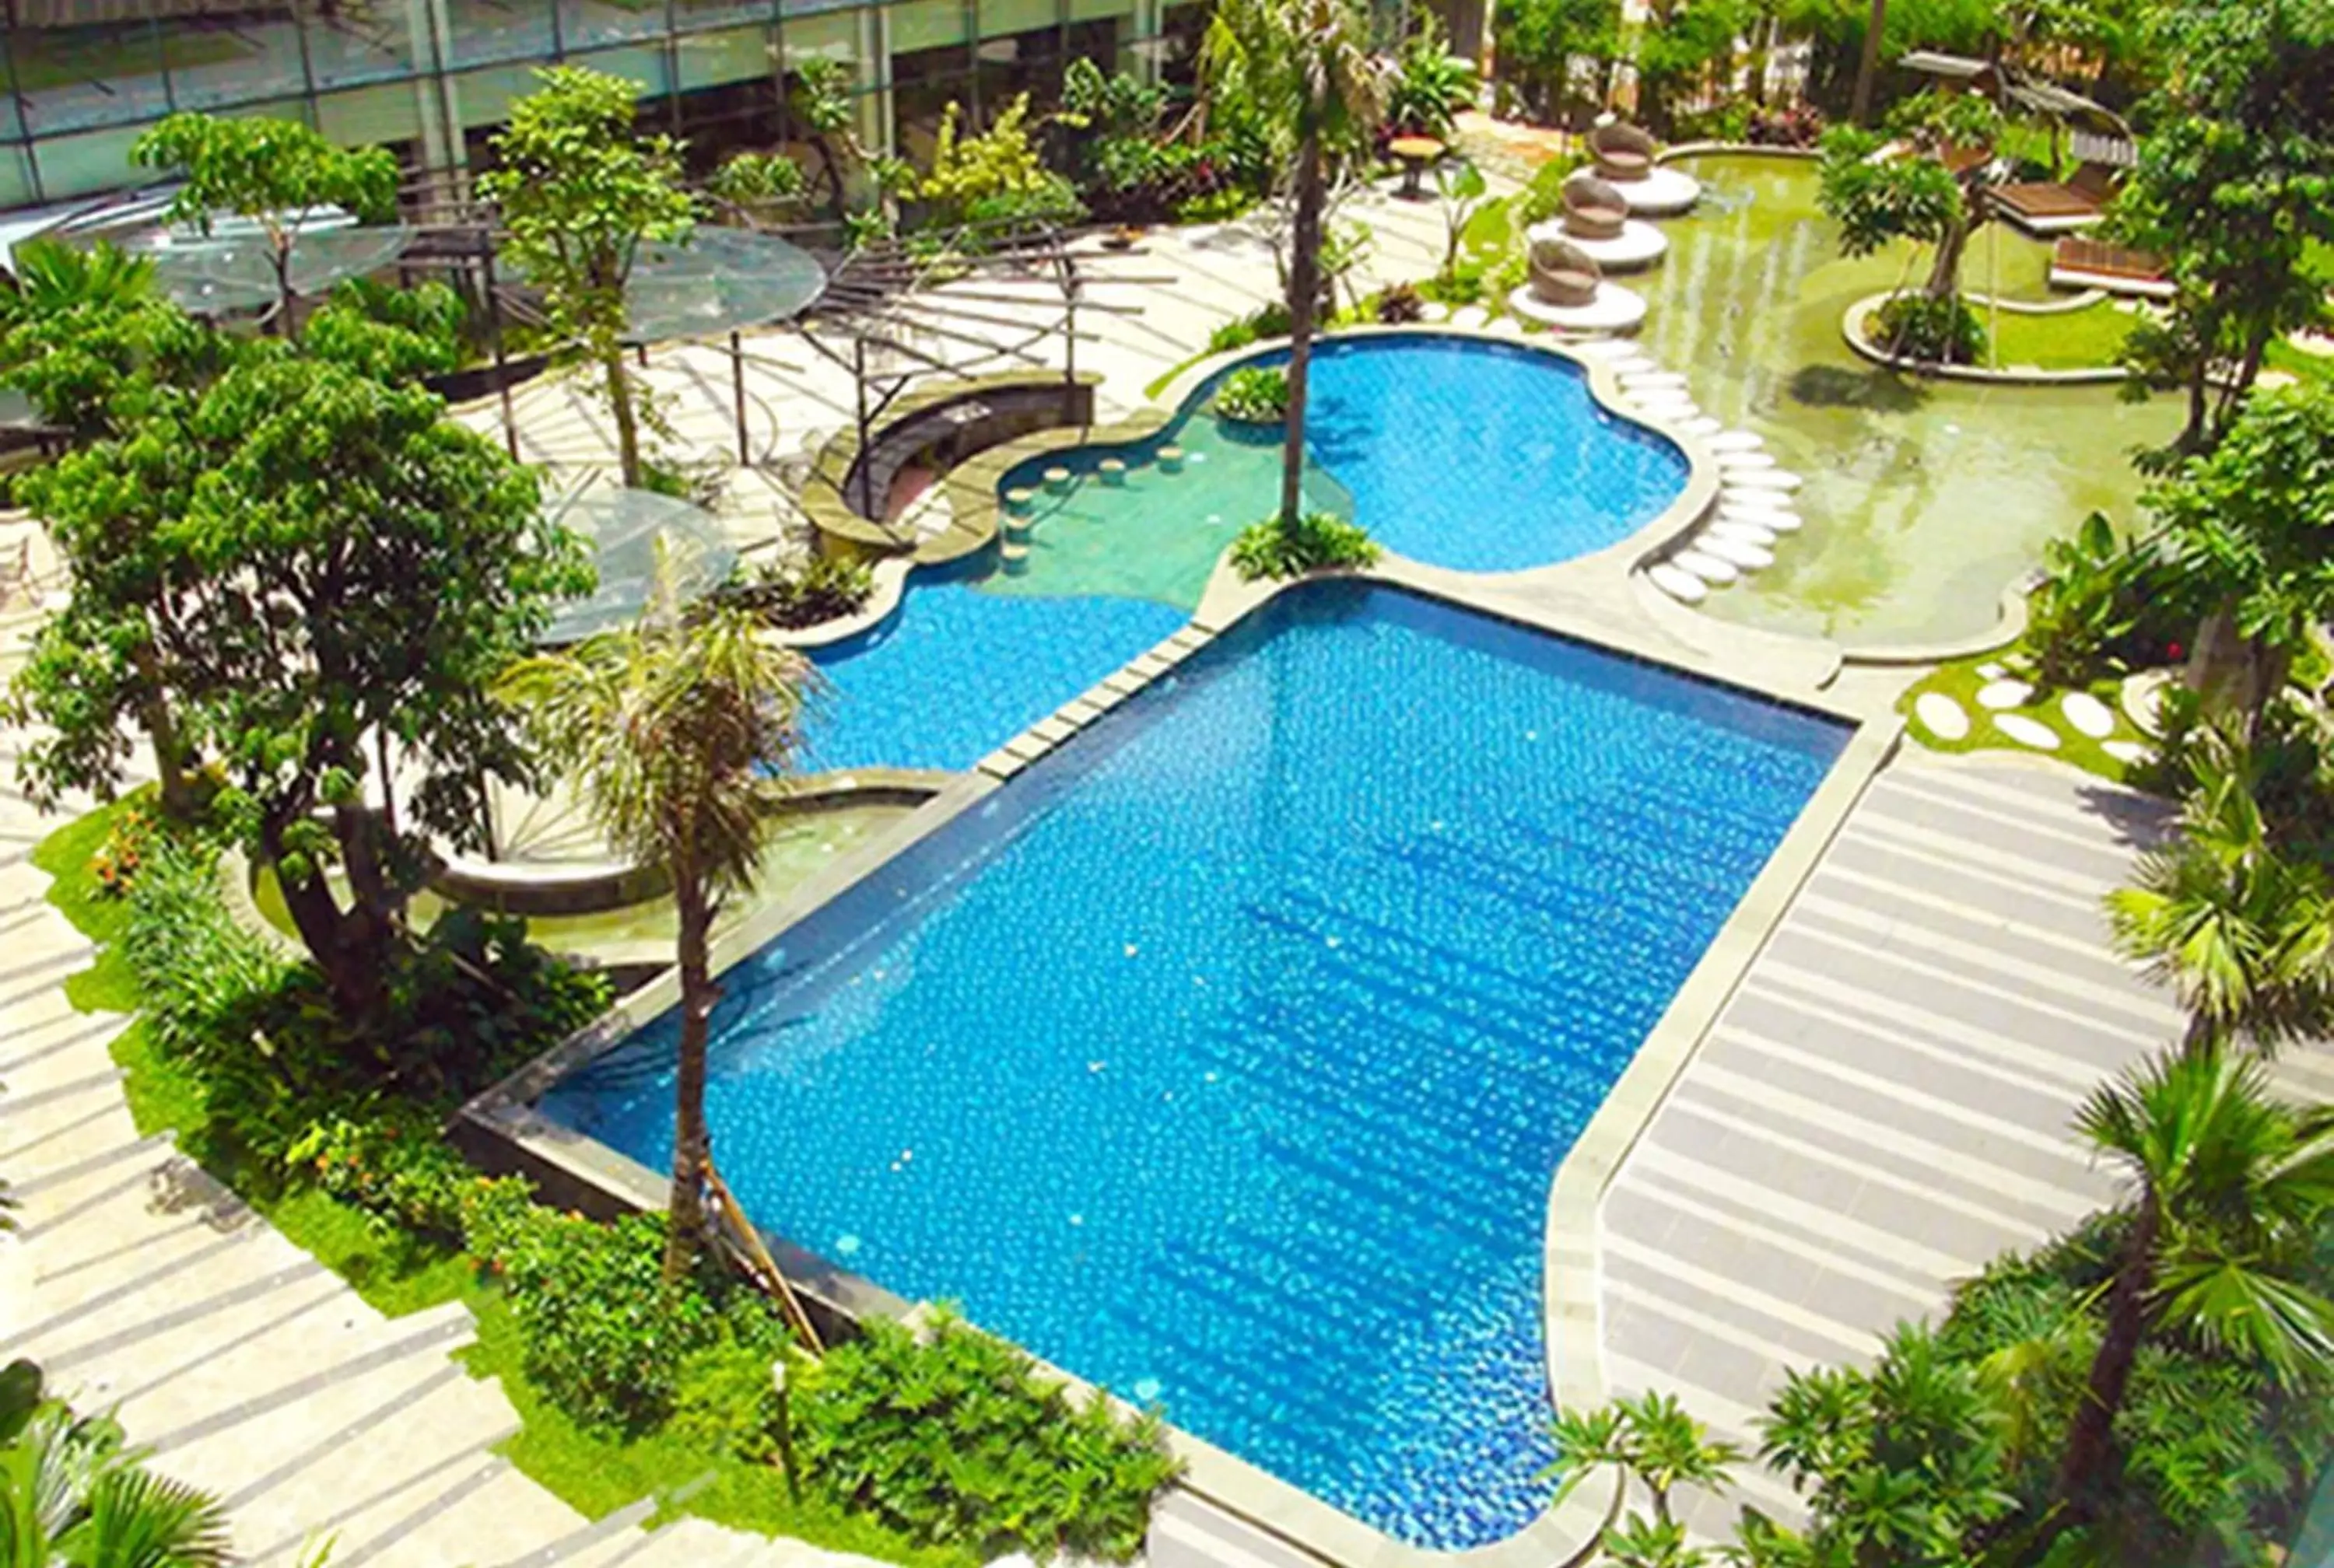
(1924, 499)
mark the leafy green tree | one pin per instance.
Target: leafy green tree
(678, 733)
(2234, 189)
(1541, 45)
(2241, 927)
(390, 334)
(997, 179)
(750, 185)
(580, 192)
(87, 338)
(1901, 1466)
(73, 1496)
(272, 172)
(2228, 1188)
(1682, 51)
(2251, 524)
(1305, 67)
(1430, 84)
(1879, 194)
(1657, 1445)
(820, 103)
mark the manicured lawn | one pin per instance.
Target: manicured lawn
(2068, 340)
(1961, 681)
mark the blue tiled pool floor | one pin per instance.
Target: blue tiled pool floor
(1226, 1056)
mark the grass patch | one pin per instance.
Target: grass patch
(1961, 681)
(1166, 379)
(595, 1476)
(107, 986)
(2086, 339)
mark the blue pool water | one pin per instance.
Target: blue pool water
(1226, 1056)
(1457, 451)
(958, 671)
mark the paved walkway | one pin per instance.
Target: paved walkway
(1884, 1105)
(249, 1369)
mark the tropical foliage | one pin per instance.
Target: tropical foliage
(1254, 395)
(72, 1495)
(956, 1438)
(579, 194)
(678, 733)
(1315, 541)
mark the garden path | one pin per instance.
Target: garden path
(245, 1366)
(1885, 1104)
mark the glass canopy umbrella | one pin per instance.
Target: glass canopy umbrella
(620, 529)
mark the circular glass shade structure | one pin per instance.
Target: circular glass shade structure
(620, 529)
(718, 280)
(225, 271)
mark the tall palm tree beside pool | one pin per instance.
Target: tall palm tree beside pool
(678, 734)
(1306, 66)
(2228, 1186)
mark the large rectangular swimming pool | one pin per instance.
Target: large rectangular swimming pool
(1225, 1056)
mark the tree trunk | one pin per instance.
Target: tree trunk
(2090, 1439)
(1946, 271)
(1869, 65)
(628, 429)
(692, 1144)
(1304, 300)
(349, 947)
(162, 731)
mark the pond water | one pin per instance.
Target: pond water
(1924, 499)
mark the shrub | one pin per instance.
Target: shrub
(603, 1337)
(1728, 121)
(211, 989)
(1400, 303)
(1318, 539)
(1932, 329)
(129, 840)
(955, 1439)
(803, 593)
(391, 1160)
(1544, 198)
(1219, 205)
(2104, 606)
(1254, 395)
(1429, 84)
(724, 1400)
(1269, 321)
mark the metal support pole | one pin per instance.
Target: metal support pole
(495, 336)
(738, 386)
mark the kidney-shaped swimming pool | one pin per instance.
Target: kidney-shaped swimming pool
(1225, 1056)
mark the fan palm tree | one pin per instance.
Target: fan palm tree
(69, 1493)
(1306, 65)
(677, 734)
(2242, 932)
(2228, 1186)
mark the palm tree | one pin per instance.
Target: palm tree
(1306, 65)
(677, 734)
(1652, 1440)
(2228, 1186)
(2242, 932)
(69, 1493)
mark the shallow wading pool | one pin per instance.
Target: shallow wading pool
(1225, 1056)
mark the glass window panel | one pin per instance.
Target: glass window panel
(924, 24)
(826, 34)
(85, 164)
(369, 116)
(697, 15)
(719, 59)
(214, 65)
(353, 42)
(16, 177)
(12, 124)
(72, 78)
(589, 22)
(645, 66)
(486, 31)
(483, 98)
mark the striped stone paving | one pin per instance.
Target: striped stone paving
(1884, 1104)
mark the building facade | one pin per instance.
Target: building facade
(431, 77)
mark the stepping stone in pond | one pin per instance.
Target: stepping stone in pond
(1766, 479)
(1634, 365)
(1706, 566)
(1736, 552)
(1609, 350)
(1653, 380)
(1434, 311)
(1700, 425)
(1677, 582)
(1735, 441)
(1992, 670)
(1743, 462)
(1663, 408)
(1940, 715)
(2088, 714)
(2002, 693)
(1780, 522)
(2027, 731)
(2125, 751)
(1469, 316)
(1749, 532)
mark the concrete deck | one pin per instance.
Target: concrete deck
(1884, 1104)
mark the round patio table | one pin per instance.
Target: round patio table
(1415, 153)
